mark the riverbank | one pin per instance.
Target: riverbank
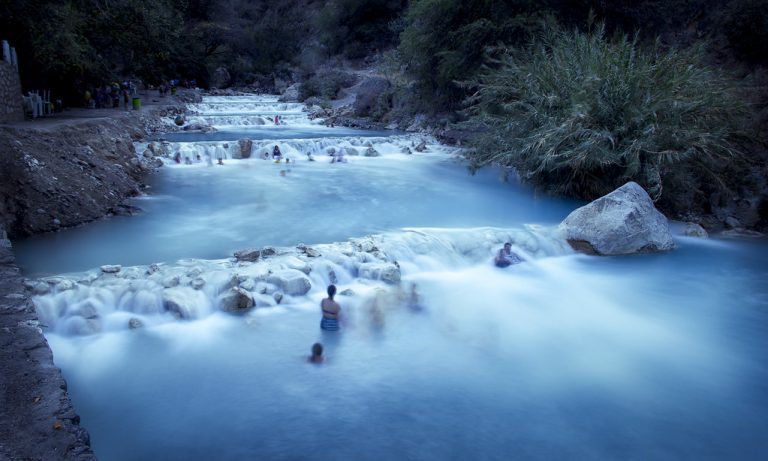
(57, 172)
(37, 420)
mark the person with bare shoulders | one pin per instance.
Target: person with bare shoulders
(317, 354)
(331, 310)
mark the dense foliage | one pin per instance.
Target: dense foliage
(580, 114)
(444, 41)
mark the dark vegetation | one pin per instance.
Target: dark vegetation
(578, 96)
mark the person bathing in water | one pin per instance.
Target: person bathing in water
(331, 310)
(276, 154)
(317, 354)
(505, 257)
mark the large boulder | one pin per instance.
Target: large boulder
(220, 78)
(292, 282)
(291, 94)
(368, 94)
(622, 222)
(236, 301)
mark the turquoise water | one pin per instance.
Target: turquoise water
(567, 356)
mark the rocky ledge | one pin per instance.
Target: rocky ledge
(69, 174)
(37, 420)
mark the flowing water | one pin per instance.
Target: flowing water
(565, 356)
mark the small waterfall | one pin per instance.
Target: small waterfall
(351, 146)
(115, 298)
(244, 111)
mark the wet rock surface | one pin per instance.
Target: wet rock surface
(37, 420)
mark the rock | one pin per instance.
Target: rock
(250, 254)
(368, 95)
(332, 277)
(179, 120)
(694, 230)
(236, 301)
(246, 145)
(197, 127)
(220, 78)
(248, 284)
(371, 152)
(268, 251)
(386, 272)
(732, 222)
(134, 323)
(198, 283)
(278, 296)
(622, 222)
(291, 281)
(422, 147)
(152, 269)
(170, 281)
(111, 269)
(347, 292)
(175, 303)
(309, 251)
(291, 94)
(64, 285)
(39, 288)
(406, 150)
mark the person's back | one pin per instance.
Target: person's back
(331, 310)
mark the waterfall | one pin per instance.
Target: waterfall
(113, 298)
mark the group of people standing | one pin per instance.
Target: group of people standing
(110, 96)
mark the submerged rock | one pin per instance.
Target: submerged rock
(246, 145)
(175, 303)
(236, 301)
(622, 222)
(386, 272)
(694, 230)
(134, 323)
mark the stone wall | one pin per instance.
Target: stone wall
(10, 94)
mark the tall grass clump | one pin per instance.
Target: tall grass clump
(579, 114)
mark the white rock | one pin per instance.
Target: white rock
(622, 222)
(291, 281)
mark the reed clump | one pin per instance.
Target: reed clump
(579, 114)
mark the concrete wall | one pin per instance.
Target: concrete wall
(10, 94)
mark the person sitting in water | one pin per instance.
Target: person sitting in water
(309, 157)
(317, 354)
(331, 310)
(276, 154)
(505, 257)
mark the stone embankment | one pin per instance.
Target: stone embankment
(37, 420)
(58, 172)
(69, 174)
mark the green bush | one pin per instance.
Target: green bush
(578, 114)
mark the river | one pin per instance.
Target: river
(566, 356)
